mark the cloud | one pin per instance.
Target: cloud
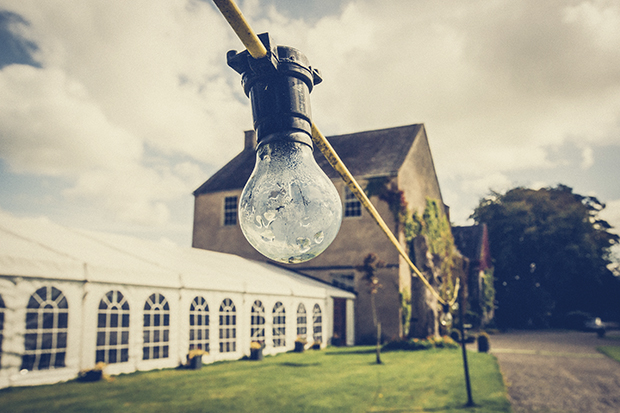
(496, 181)
(496, 84)
(154, 69)
(587, 157)
(50, 126)
(116, 78)
(132, 96)
(137, 194)
(611, 214)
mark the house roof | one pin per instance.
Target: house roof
(366, 154)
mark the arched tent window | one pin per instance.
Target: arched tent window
(199, 324)
(228, 326)
(317, 324)
(279, 325)
(2, 308)
(257, 331)
(302, 321)
(113, 329)
(47, 318)
(156, 327)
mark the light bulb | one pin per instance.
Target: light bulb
(446, 320)
(289, 210)
(446, 317)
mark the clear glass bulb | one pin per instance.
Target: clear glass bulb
(289, 209)
(446, 319)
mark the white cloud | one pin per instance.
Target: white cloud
(599, 19)
(495, 83)
(49, 125)
(587, 155)
(127, 88)
(154, 68)
(496, 181)
(118, 77)
(611, 214)
(138, 194)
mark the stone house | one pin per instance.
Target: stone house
(381, 160)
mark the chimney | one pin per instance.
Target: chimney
(250, 139)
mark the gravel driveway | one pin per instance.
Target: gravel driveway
(558, 371)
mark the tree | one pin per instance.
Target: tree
(369, 270)
(551, 253)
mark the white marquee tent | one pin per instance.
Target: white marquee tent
(70, 298)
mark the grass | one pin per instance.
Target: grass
(333, 380)
(610, 351)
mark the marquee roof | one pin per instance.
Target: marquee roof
(42, 249)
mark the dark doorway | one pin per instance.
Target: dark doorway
(340, 322)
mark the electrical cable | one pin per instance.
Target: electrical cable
(241, 27)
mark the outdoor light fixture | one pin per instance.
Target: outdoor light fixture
(289, 209)
(446, 316)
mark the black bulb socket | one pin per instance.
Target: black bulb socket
(279, 87)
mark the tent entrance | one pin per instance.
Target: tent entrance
(340, 322)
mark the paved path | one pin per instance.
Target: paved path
(558, 372)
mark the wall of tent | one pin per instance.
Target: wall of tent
(52, 329)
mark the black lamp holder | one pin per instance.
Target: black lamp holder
(279, 87)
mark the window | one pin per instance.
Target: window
(344, 281)
(317, 324)
(156, 328)
(113, 329)
(45, 341)
(302, 330)
(257, 332)
(230, 210)
(199, 324)
(2, 308)
(279, 325)
(352, 206)
(228, 329)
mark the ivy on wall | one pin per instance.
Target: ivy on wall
(390, 194)
(405, 311)
(488, 292)
(433, 224)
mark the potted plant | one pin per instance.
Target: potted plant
(194, 358)
(300, 344)
(256, 350)
(94, 374)
(483, 343)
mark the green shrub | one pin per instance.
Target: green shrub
(445, 342)
(408, 345)
(455, 335)
(415, 344)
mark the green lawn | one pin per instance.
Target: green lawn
(610, 351)
(338, 380)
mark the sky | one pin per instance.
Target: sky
(113, 112)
